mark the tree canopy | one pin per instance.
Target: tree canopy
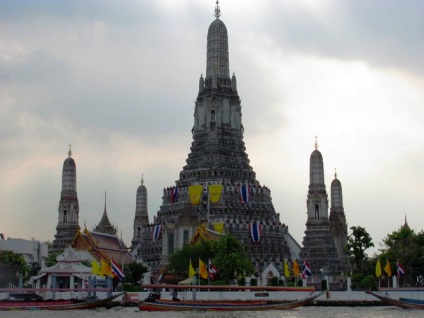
(359, 241)
(407, 247)
(227, 254)
(11, 265)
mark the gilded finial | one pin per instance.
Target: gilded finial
(70, 151)
(316, 143)
(217, 10)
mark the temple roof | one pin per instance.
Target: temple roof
(103, 246)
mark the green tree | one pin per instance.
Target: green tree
(231, 258)
(227, 254)
(406, 247)
(51, 258)
(134, 273)
(179, 261)
(11, 265)
(359, 241)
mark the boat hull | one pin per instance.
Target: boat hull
(168, 305)
(55, 304)
(403, 302)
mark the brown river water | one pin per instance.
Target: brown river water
(306, 312)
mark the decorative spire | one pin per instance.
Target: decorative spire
(316, 143)
(105, 203)
(335, 173)
(217, 10)
(69, 151)
(142, 180)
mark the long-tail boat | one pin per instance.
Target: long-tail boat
(407, 303)
(32, 301)
(154, 303)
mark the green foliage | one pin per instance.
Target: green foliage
(134, 273)
(227, 254)
(274, 281)
(51, 258)
(230, 258)
(12, 264)
(368, 282)
(253, 282)
(241, 281)
(179, 260)
(219, 282)
(357, 277)
(359, 241)
(407, 247)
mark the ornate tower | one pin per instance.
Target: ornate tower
(318, 243)
(104, 225)
(218, 158)
(338, 224)
(68, 224)
(141, 218)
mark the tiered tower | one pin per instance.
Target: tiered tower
(318, 243)
(141, 218)
(104, 225)
(68, 224)
(338, 224)
(218, 157)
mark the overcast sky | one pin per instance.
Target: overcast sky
(118, 81)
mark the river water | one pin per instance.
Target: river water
(303, 312)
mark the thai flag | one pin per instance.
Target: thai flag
(117, 271)
(400, 269)
(255, 230)
(306, 270)
(174, 195)
(244, 193)
(157, 231)
(212, 270)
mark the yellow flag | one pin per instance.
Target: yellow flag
(191, 271)
(388, 269)
(378, 268)
(215, 191)
(296, 269)
(195, 194)
(105, 268)
(286, 269)
(202, 270)
(218, 227)
(95, 268)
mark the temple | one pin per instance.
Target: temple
(68, 224)
(217, 189)
(319, 247)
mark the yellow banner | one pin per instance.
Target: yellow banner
(286, 269)
(378, 268)
(215, 191)
(106, 270)
(202, 270)
(191, 271)
(95, 268)
(195, 194)
(296, 269)
(218, 227)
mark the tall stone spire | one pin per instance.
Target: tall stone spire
(217, 57)
(218, 157)
(318, 243)
(338, 223)
(141, 218)
(68, 224)
(104, 225)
